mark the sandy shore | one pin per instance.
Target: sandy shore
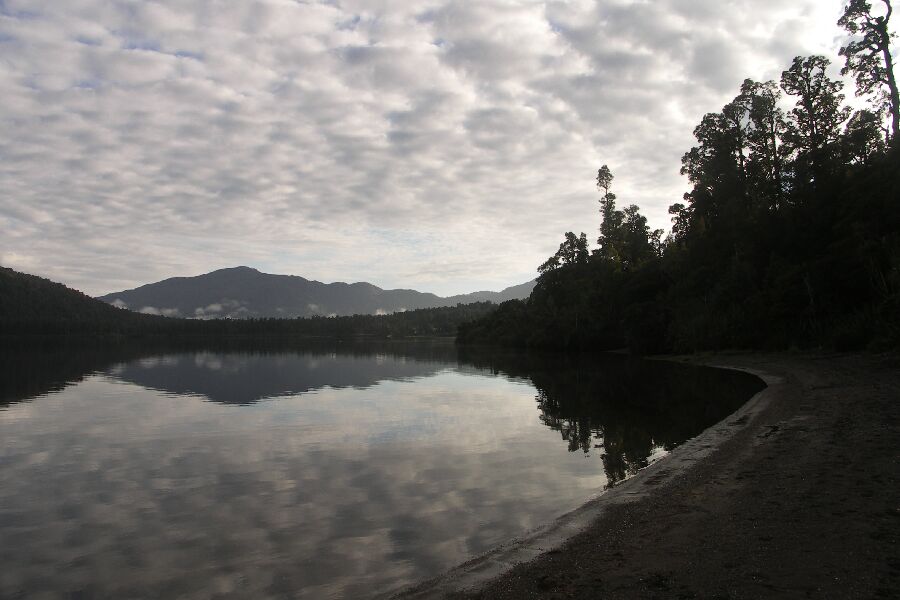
(795, 496)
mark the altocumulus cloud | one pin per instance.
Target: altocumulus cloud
(441, 145)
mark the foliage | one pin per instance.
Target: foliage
(788, 237)
(868, 57)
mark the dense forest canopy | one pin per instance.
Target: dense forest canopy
(788, 236)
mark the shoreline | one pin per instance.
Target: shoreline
(687, 526)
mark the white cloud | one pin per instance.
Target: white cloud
(166, 312)
(439, 145)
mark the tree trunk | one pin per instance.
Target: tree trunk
(889, 68)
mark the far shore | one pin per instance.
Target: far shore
(796, 495)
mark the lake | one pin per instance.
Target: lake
(327, 470)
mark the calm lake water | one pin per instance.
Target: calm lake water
(327, 471)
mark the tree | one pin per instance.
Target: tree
(714, 167)
(765, 139)
(610, 226)
(639, 244)
(735, 118)
(868, 57)
(816, 120)
(604, 179)
(681, 222)
(611, 219)
(574, 250)
(863, 137)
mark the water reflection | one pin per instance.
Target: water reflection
(628, 410)
(239, 371)
(249, 377)
(373, 467)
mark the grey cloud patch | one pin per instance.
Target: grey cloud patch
(166, 312)
(714, 65)
(224, 308)
(156, 139)
(212, 311)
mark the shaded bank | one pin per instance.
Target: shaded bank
(800, 502)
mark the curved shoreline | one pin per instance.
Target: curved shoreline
(687, 526)
(550, 536)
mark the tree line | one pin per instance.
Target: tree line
(31, 305)
(788, 236)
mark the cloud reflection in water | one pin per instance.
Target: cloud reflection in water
(366, 473)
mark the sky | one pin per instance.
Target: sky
(438, 145)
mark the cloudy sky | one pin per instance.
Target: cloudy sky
(434, 144)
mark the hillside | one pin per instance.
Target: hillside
(242, 292)
(31, 304)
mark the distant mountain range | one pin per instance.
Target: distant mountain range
(242, 292)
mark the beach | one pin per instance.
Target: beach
(796, 495)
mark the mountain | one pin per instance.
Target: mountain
(516, 292)
(245, 292)
(31, 304)
(32, 308)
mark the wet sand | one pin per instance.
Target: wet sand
(795, 496)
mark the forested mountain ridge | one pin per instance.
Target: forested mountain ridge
(243, 292)
(789, 235)
(31, 305)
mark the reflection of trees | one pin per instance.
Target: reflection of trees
(624, 408)
(623, 451)
(33, 367)
(621, 407)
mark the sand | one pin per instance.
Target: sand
(795, 496)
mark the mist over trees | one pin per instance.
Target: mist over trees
(788, 236)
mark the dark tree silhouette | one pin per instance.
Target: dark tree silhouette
(610, 218)
(768, 152)
(863, 137)
(818, 115)
(789, 236)
(574, 250)
(868, 57)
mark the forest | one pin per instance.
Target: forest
(789, 236)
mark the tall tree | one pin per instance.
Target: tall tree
(611, 219)
(573, 250)
(868, 56)
(604, 179)
(768, 152)
(815, 126)
(863, 137)
(736, 120)
(714, 166)
(681, 221)
(639, 243)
